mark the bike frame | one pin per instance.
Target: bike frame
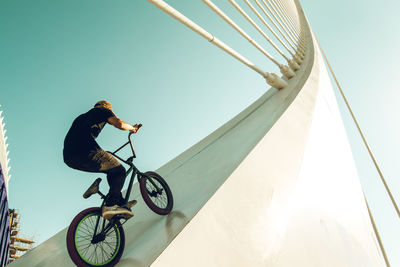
(132, 167)
(135, 172)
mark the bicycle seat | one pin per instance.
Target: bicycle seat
(93, 189)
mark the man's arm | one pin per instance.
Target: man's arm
(120, 124)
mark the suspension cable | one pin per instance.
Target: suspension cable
(288, 11)
(284, 69)
(377, 234)
(276, 26)
(237, 28)
(269, 27)
(285, 27)
(244, 14)
(295, 15)
(297, 39)
(297, 59)
(361, 133)
(281, 15)
(286, 16)
(271, 78)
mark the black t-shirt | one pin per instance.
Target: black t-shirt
(85, 129)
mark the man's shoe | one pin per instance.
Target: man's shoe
(109, 212)
(93, 189)
(130, 204)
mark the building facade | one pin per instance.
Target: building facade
(4, 178)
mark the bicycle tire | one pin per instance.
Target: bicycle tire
(83, 224)
(160, 203)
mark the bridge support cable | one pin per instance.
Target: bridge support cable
(378, 237)
(287, 10)
(280, 22)
(294, 19)
(267, 25)
(291, 8)
(285, 70)
(292, 63)
(296, 11)
(277, 11)
(298, 39)
(286, 16)
(361, 133)
(277, 27)
(271, 78)
(244, 14)
(282, 15)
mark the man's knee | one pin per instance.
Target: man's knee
(117, 171)
(121, 170)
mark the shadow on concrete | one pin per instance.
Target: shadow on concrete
(175, 219)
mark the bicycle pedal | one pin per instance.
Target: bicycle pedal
(93, 189)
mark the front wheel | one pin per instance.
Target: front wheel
(89, 249)
(156, 193)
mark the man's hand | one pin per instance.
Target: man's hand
(120, 124)
(136, 128)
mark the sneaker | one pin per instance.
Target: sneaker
(109, 212)
(130, 204)
(93, 189)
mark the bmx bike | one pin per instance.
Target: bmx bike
(95, 241)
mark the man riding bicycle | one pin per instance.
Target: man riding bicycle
(81, 152)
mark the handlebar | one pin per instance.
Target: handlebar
(131, 145)
(130, 132)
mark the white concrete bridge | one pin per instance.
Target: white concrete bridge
(275, 186)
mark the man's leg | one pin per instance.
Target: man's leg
(101, 161)
(115, 179)
(115, 175)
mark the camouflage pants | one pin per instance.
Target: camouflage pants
(100, 161)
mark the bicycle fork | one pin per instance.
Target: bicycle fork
(98, 237)
(105, 228)
(158, 189)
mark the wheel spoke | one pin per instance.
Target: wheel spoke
(159, 199)
(100, 252)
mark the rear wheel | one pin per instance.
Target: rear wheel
(87, 249)
(156, 193)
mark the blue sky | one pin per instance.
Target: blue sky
(59, 57)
